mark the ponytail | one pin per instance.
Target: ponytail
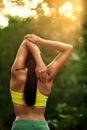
(31, 83)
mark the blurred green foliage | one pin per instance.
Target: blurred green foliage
(67, 104)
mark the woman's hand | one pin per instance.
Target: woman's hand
(41, 69)
(33, 38)
(41, 72)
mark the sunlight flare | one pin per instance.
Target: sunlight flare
(46, 9)
(28, 8)
(66, 9)
(4, 21)
(11, 8)
(34, 3)
(19, 11)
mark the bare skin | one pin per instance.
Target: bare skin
(45, 74)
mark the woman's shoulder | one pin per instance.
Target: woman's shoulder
(45, 87)
(18, 78)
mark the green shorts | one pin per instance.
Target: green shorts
(29, 125)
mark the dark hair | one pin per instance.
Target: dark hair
(31, 83)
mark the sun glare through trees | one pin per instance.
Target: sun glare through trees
(28, 8)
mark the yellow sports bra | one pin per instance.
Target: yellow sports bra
(17, 97)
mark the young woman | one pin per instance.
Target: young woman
(31, 81)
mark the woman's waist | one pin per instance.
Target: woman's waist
(31, 112)
(30, 116)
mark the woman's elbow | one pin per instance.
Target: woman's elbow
(13, 71)
(70, 47)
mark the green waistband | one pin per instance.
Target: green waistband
(29, 125)
(30, 121)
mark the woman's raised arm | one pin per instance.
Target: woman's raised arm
(58, 62)
(25, 48)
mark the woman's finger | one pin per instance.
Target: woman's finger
(43, 76)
